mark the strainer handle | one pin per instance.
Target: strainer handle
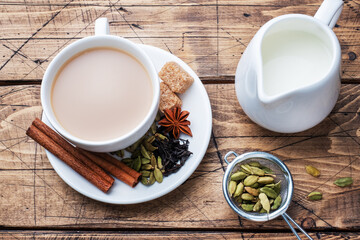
(287, 218)
(228, 154)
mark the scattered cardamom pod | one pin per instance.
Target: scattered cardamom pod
(145, 173)
(254, 164)
(145, 161)
(264, 202)
(152, 178)
(160, 136)
(158, 175)
(238, 176)
(247, 207)
(159, 162)
(149, 147)
(313, 171)
(314, 196)
(257, 206)
(277, 187)
(250, 180)
(239, 189)
(255, 185)
(147, 167)
(137, 164)
(246, 168)
(144, 180)
(153, 160)
(144, 152)
(267, 170)
(257, 171)
(277, 203)
(232, 187)
(265, 180)
(343, 182)
(247, 197)
(269, 192)
(252, 191)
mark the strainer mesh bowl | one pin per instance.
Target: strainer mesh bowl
(280, 170)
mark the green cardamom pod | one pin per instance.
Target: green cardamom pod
(137, 164)
(255, 185)
(246, 169)
(247, 207)
(239, 189)
(159, 162)
(147, 167)
(144, 181)
(136, 153)
(257, 171)
(127, 160)
(153, 128)
(277, 203)
(238, 176)
(267, 170)
(313, 171)
(232, 187)
(314, 196)
(153, 160)
(255, 164)
(252, 191)
(145, 173)
(271, 201)
(238, 199)
(269, 192)
(247, 197)
(277, 187)
(264, 202)
(250, 180)
(150, 139)
(343, 182)
(145, 161)
(257, 206)
(158, 175)
(262, 210)
(271, 185)
(265, 180)
(152, 178)
(144, 152)
(160, 136)
(149, 147)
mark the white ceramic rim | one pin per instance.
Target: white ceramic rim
(73, 48)
(207, 121)
(336, 51)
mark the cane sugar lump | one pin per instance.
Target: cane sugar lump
(168, 99)
(175, 77)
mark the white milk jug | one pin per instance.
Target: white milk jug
(288, 79)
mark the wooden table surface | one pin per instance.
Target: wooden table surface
(209, 35)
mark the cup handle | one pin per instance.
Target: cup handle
(329, 12)
(102, 27)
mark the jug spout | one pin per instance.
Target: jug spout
(329, 12)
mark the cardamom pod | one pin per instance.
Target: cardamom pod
(246, 169)
(127, 160)
(119, 153)
(277, 203)
(160, 136)
(267, 170)
(149, 147)
(238, 176)
(146, 167)
(137, 164)
(238, 199)
(144, 152)
(254, 164)
(343, 182)
(262, 210)
(255, 185)
(269, 192)
(239, 189)
(159, 162)
(257, 171)
(150, 139)
(153, 128)
(265, 180)
(252, 191)
(153, 160)
(314, 196)
(271, 201)
(145, 161)
(277, 187)
(257, 206)
(232, 187)
(144, 181)
(158, 175)
(152, 178)
(136, 153)
(247, 207)
(264, 202)
(313, 171)
(145, 173)
(247, 197)
(271, 185)
(250, 180)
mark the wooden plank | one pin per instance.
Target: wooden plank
(32, 195)
(178, 235)
(210, 37)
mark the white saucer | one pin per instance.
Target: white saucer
(196, 101)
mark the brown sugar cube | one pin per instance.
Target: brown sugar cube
(168, 99)
(175, 77)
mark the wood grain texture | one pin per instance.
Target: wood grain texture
(32, 195)
(209, 35)
(178, 235)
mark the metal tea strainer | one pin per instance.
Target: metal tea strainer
(282, 173)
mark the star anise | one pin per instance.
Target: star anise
(175, 122)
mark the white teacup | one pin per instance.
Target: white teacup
(101, 39)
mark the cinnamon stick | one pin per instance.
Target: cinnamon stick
(120, 164)
(71, 149)
(69, 159)
(111, 168)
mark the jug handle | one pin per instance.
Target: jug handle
(329, 12)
